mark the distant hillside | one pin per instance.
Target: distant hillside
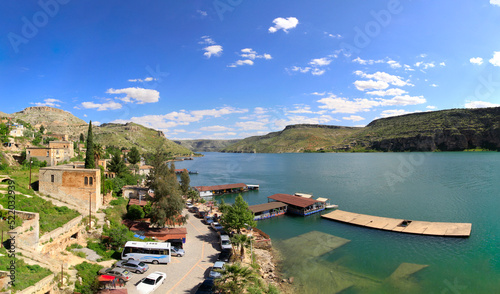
(128, 135)
(3, 114)
(446, 130)
(295, 138)
(206, 145)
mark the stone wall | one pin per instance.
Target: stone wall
(27, 235)
(45, 285)
(62, 236)
(4, 280)
(68, 185)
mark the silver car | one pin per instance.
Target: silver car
(120, 273)
(133, 266)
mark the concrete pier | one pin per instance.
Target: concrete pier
(401, 225)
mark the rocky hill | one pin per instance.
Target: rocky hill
(206, 145)
(128, 135)
(446, 130)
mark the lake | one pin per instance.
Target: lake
(441, 187)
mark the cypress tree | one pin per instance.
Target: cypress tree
(89, 156)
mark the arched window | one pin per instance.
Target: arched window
(91, 181)
(86, 181)
(52, 178)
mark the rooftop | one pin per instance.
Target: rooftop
(293, 200)
(266, 206)
(220, 187)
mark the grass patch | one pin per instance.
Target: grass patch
(88, 272)
(26, 275)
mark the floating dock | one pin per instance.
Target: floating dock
(401, 225)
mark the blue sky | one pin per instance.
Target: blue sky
(234, 68)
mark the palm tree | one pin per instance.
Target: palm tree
(236, 278)
(241, 241)
(98, 152)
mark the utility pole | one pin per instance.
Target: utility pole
(90, 210)
(62, 273)
(29, 184)
(1, 244)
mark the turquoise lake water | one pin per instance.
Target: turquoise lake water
(442, 187)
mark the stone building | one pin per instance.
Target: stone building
(66, 145)
(72, 184)
(51, 155)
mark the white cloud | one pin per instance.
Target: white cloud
(201, 12)
(434, 85)
(335, 36)
(431, 107)
(408, 68)
(425, 65)
(249, 55)
(480, 104)
(344, 105)
(320, 61)
(251, 125)
(496, 58)
(206, 40)
(476, 60)
(366, 62)
(495, 2)
(215, 129)
(318, 93)
(384, 77)
(51, 102)
(395, 112)
(393, 64)
(388, 92)
(300, 69)
(110, 105)
(403, 100)
(241, 62)
(215, 50)
(442, 63)
(284, 24)
(147, 79)
(317, 71)
(139, 95)
(300, 108)
(260, 110)
(370, 84)
(223, 135)
(354, 118)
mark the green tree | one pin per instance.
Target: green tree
(88, 273)
(135, 212)
(236, 279)
(167, 203)
(89, 156)
(133, 156)
(147, 209)
(4, 132)
(185, 180)
(42, 129)
(82, 138)
(238, 216)
(117, 236)
(98, 152)
(117, 165)
(193, 195)
(241, 241)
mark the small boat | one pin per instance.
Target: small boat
(331, 206)
(327, 203)
(193, 172)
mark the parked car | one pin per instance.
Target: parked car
(121, 273)
(133, 266)
(225, 242)
(201, 213)
(207, 287)
(177, 251)
(218, 265)
(208, 220)
(151, 282)
(194, 209)
(225, 255)
(216, 226)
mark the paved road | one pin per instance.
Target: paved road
(185, 273)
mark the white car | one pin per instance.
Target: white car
(151, 282)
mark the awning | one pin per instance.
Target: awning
(323, 199)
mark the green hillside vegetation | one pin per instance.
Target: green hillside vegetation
(134, 135)
(298, 138)
(446, 130)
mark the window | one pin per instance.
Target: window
(86, 181)
(29, 152)
(47, 153)
(52, 178)
(91, 180)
